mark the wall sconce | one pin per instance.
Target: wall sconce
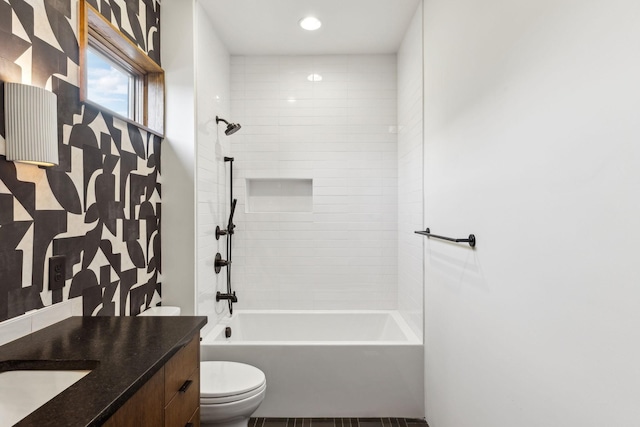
(31, 121)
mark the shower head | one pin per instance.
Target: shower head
(231, 127)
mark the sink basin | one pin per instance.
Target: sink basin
(24, 391)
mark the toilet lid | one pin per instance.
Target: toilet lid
(220, 379)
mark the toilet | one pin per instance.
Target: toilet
(229, 391)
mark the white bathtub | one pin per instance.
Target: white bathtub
(327, 363)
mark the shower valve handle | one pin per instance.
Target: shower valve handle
(221, 232)
(219, 263)
(222, 262)
(230, 297)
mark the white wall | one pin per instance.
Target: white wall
(410, 191)
(212, 99)
(531, 143)
(178, 157)
(340, 132)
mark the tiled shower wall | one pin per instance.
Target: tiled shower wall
(101, 205)
(341, 133)
(410, 164)
(212, 193)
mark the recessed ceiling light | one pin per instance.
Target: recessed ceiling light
(314, 77)
(310, 23)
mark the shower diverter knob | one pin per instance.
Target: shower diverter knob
(219, 263)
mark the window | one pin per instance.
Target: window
(110, 85)
(116, 75)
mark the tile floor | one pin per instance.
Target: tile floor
(337, 422)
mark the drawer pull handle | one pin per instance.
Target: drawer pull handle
(188, 425)
(185, 386)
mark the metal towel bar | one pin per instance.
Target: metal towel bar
(471, 240)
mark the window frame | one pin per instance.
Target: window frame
(99, 34)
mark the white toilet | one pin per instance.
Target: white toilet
(229, 391)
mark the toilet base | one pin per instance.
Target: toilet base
(230, 414)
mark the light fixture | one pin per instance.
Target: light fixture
(31, 120)
(314, 77)
(310, 23)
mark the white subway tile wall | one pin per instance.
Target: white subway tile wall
(341, 132)
(410, 180)
(213, 99)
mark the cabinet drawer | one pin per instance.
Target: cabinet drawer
(195, 419)
(182, 407)
(180, 367)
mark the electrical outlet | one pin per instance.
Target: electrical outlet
(57, 272)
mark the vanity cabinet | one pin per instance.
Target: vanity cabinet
(144, 408)
(171, 398)
(182, 386)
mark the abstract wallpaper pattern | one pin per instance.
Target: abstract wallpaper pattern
(100, 207)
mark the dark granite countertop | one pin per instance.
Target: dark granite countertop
(123, 353)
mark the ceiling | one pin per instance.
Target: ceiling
(270, 27)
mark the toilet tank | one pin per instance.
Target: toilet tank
(161, 311)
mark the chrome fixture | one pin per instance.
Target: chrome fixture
(231, 127)
(31, 116)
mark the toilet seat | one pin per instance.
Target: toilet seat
(205, 401)
(224, 382)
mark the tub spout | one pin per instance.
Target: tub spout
(231, 297)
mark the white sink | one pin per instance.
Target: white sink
(24, 391)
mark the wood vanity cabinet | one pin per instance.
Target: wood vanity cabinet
(171, 398)
(182, 386)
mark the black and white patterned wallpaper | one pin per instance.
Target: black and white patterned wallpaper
(137, 19)
(100, 207)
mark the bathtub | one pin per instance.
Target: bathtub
(327, 363)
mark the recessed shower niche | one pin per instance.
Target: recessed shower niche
(279, 195)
